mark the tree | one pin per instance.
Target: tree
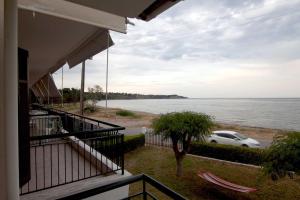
(71, 95)
(94, 94)
(183, 127)
(283, 156)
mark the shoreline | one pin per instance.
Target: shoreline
(144, 119)
(253, 112)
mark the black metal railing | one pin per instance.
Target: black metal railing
(158, 140)
(153, 139)
(64, 160)
(45, 124)
(76, 123)
(144, 193)
(59, 156)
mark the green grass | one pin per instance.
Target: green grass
(160, 164)
(126, 113)
(131, 137)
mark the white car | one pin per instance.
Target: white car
(232, 138)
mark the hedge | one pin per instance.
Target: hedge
(228, 152)
(131, 142)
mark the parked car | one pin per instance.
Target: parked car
(232, 138)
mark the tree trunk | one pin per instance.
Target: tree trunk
(179, 159)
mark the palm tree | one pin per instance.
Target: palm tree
(182, 127)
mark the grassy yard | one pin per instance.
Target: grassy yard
(160, 164)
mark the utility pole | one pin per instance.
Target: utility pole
(62, 87)
(82, 88)
(106, 85)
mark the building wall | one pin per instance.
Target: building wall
(9, 173)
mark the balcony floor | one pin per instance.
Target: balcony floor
(60, 191)
(57, 164)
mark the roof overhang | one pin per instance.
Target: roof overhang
(141, 9)
(156, 8)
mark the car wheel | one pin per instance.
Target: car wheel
(213, 141)
(244, 145)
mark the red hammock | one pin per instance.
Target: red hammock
(225, 184)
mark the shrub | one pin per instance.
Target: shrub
(131, 142)
(228, 152)
(90, 108)
(283, 157)
(125, 113)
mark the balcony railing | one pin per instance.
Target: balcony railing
(66, 148)
(74, 123)
(145, 180)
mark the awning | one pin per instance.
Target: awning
(96, 43)
(53, 41)
(45, 87)
(56, 32)
(76, 12)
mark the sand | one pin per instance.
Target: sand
(144, 119)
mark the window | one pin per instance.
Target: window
(240, 136)
(225, 135)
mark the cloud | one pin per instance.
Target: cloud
(206, 49)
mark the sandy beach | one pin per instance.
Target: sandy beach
(144, 119)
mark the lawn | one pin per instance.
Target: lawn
(160, 164)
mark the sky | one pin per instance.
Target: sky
(204, 49)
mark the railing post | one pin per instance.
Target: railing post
(144, 189)
(122, 153)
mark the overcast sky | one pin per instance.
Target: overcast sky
(200, 48)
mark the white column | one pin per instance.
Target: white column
(9, 166)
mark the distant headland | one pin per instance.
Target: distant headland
(73, 95)
(116, 95)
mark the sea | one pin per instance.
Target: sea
(276, 113)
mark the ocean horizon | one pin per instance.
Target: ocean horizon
(276, 113)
